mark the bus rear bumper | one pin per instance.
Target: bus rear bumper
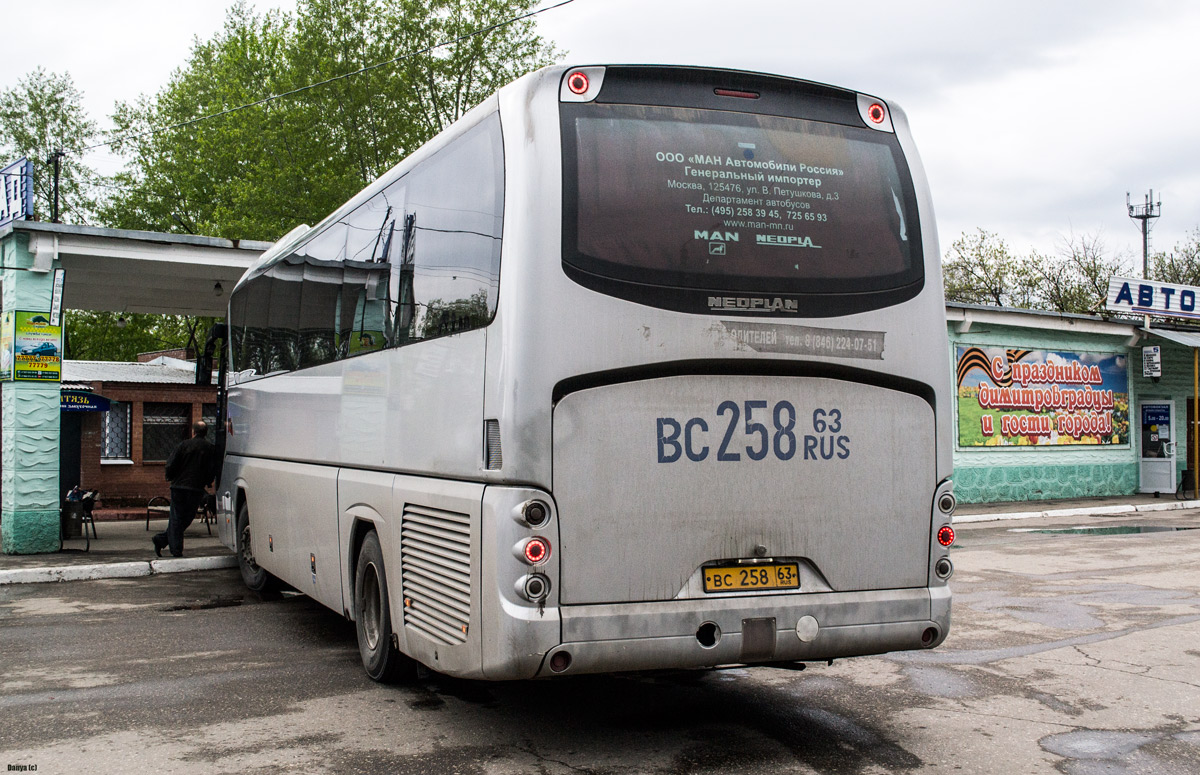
(684, 634)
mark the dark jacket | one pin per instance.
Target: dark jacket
(193, 465)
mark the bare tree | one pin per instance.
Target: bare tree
(1076, 280)
(1181, 265)
(980, 269)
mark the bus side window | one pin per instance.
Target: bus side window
(445, 260)
(237, 330)
(257, 293)
(318, 313)
(283, 317)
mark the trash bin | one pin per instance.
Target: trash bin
(71, 519)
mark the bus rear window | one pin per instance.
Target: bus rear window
(703, 202)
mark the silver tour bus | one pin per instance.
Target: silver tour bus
(631, 368)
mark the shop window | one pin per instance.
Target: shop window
(209, 414)
(163, 427)
(116, 432)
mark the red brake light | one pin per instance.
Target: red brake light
(945, 535)
(876, 113)
(537, 550)
(577, 82)
(746, 95)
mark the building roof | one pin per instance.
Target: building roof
(118, 270)
(161, 370)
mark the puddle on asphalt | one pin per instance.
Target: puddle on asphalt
(1116, 530)
(204, 605)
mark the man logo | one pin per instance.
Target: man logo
(716, 236)
(717, 240)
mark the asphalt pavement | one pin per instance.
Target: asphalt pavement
(122, 549)
(1072, 652)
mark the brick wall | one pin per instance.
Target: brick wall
(133, 484)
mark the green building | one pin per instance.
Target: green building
(1052, 405)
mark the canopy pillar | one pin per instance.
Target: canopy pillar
(30, 433)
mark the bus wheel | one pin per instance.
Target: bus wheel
(257, 579)
(372, 616)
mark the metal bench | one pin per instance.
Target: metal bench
(158, 508)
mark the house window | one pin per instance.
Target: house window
(116, 432)
(209, 414)
(163, 427)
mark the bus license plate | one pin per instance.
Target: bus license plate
(739, 578)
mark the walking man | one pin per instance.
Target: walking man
(191, 468)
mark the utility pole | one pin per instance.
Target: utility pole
(55, 159)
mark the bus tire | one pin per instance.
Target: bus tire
(372, 616)
(256, 579)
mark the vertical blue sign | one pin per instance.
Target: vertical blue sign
(16, 180)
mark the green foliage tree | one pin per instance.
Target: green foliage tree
(97, 336)
(255, 173)
(41, 114)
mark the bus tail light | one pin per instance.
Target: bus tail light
(578, 82)
(581, 84)
(945, 535)
(875, 113)
(535, 587)
(532, 513)
(534, 551)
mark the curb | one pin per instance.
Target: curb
(1126, 508)
(115, 570)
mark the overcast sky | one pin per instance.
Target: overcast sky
(1033, 118)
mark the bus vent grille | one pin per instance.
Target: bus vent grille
(495, 459)
(435, 555)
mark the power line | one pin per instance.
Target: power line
(272, 98)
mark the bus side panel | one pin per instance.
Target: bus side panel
(435, 549)
(416, 408)
(293, 518)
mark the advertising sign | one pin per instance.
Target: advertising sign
(37, 347)
(6, 347)
(1146, 297)
(1011, 397)
(82, 401)
(1152, 361)
(56, 298)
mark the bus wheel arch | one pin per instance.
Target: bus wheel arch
(358, 533)
(256, 578)
(372, 613)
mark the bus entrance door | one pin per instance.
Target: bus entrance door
(1157, 463)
